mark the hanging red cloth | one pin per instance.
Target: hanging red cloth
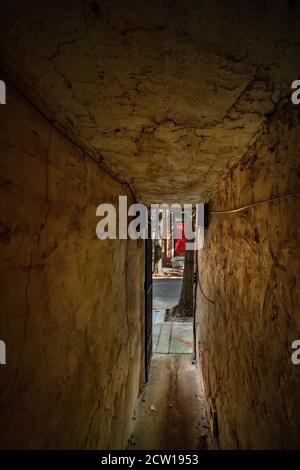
(179, 242)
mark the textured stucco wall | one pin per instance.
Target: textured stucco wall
(250, 268)
(71, 305)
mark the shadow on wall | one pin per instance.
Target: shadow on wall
(72, 305)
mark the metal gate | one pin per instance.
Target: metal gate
(148, 301)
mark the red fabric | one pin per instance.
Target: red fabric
(180, 242)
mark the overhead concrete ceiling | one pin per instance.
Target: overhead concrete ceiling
(164, 94)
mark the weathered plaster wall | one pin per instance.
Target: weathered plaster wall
(71, 305)
(250, 268)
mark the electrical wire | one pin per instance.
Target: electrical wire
(232, 211)
(199, 284)
(206, 298)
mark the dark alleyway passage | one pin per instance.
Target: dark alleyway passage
(119, 105)
(171, 411)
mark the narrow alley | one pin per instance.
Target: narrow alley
(149, 226)
(171, 413)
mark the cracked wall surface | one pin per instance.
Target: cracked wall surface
(178, 101)
(164, 94)
(71, 305)
(249, 267)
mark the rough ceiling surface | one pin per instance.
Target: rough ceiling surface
(164, 94)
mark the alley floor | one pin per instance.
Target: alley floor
(171, 411)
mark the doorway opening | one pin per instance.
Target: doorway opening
(170, 281)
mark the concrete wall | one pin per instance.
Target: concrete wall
(250, 268)
(71, 305)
